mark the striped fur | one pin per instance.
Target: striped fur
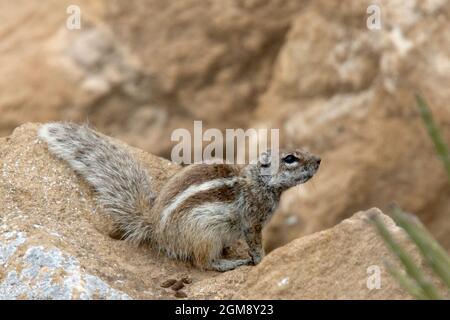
(192, 191)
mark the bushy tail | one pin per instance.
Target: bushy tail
(122, 186)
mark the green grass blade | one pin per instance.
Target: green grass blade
(407, 283)
(433, 130)
(434, 254)
(412, 270)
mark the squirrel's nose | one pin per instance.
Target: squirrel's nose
(318, 160)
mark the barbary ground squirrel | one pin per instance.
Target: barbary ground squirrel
(199, 211)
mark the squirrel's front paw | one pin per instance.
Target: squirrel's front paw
(256, 257)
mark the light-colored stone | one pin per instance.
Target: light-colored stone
(339, 263)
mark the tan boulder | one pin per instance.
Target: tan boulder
(139, 69)
(347, 93)
(344, 262)
(54, 241)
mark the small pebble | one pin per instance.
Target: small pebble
(178, 285)
(180, 294)
(168, 283)
(187, 280)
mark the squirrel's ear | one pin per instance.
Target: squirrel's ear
(265, 158)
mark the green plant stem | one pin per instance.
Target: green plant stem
(406, 282)
(412, 270)
(433, 130)
(434, 254)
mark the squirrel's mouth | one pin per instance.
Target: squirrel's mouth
(304, 177)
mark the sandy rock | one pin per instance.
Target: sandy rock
(139, 69)
(347, 93)
(338, 263)
(54, 240)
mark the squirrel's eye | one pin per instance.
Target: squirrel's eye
(290, 159)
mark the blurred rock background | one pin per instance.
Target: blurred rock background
(139, 69)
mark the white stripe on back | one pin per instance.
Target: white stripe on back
(192, 190)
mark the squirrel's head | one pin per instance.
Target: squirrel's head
(284, 169)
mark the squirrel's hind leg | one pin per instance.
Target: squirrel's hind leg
(226, 265)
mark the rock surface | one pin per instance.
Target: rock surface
(54, 244)
(54, 240)
(339, 263)
(348, 94)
